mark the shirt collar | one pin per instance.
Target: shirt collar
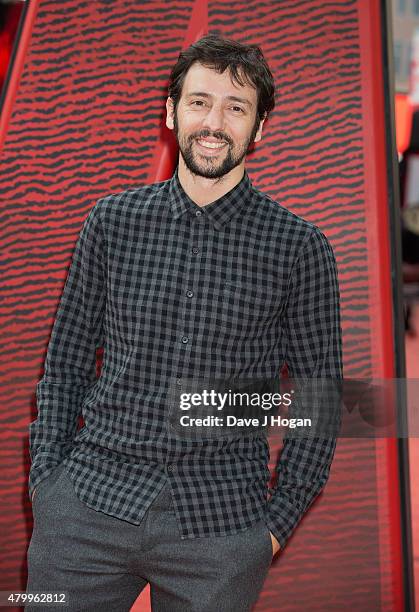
(220, 211)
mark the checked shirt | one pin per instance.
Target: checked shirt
(172, 290)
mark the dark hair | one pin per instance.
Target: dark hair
(244, 62)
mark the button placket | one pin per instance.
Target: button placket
(191, 274)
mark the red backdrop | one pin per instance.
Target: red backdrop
(85, 119)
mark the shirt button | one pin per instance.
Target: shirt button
(198, 213)
(189, 293)
(195, 250)
(170, 468)
(185, 339)
(178, 381)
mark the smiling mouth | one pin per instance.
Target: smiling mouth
(211, 145)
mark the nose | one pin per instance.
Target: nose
(214, 118)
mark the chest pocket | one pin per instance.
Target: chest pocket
(247, 306)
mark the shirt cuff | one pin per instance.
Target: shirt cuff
(282, 518)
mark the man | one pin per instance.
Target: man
(198, 276)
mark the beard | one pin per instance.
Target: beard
(211, 167)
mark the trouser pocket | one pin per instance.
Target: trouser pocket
(44, 487)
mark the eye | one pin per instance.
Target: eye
(237, 109)
(198, 102)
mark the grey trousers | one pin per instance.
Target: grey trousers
(103, 563)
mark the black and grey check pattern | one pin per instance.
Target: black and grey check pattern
(172, 290)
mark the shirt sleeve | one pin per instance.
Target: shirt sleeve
(70, 363)
(312, 328)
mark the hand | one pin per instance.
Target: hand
(275, 545)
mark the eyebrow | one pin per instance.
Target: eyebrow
(203, 94)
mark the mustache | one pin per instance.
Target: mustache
(208, 134)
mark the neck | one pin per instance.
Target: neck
(203, 190)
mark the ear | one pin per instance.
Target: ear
(169, 113)
(259, 132)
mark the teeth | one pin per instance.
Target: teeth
(211, 145)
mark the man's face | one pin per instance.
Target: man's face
(214, 122)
